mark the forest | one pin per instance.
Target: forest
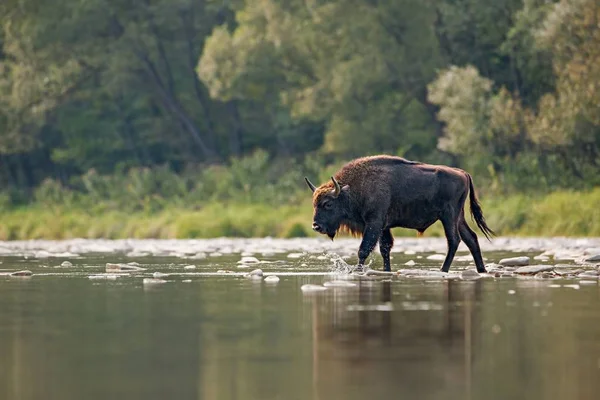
(200, 118)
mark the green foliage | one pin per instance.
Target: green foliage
(113, 106)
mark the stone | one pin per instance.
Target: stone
(249, 260)
(66, 264)
(24, 272)
(436, 257)
(272, 279)
(153, 281)
(295, 255)
(515, 261)
(110, 267)
(339, 284)
(541, 258)
(108, 277)
(533, 269)
(256, 272)
(312, 288)
(586, 282)
(592, 258)
(189, 267)
(410, 263)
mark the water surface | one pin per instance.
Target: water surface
(209, 335)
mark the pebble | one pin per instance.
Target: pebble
(189, 267)
(198, 256)
(66, 264)
(511, 291)
(339, 284)
(295, 255)
(541, 258)
(215, 254)
(249, 260)
(312, 288)
(436, 257)
(410, 252)
(256, 272)
(108, 277)
(533, 269)
(584, 282)
(186, 280)
(410, 263)
(24, 272)
(110, 267)
(304, 265)
(515, 261)
(592, 258)
(152, 281)
(242, 266)
(159, 275)
(272, 279)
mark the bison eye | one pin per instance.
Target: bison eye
(327, 205)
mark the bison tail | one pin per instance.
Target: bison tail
(476, 211)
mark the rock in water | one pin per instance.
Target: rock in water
(110, 267)
(189, 267)
(515, 261)
(159, 275)
(312, 288)
(152, 281)
(24, 272)
(533, 269)
(249, 260)
(272, 279)
(338, 284)
(410, 263)
(66, 264)
(436, 257)
(256, 272)
(592, 258)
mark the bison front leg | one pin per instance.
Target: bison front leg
(371, 235)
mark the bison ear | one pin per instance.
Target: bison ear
(310, 185)
(345, 188)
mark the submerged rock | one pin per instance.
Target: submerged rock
(533, 269)
(256, 272)
(249, 260)
(272, 279)
(593, 258)
(66, 264)
(108, 277)
(515, 261)
(312, 288)
(339, 284)
(24, 272)
(110, 267)
(152, 281)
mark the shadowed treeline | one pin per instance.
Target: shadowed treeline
(159, 104)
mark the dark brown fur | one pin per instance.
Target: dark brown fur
(378, 193)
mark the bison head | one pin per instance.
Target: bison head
(330, 203)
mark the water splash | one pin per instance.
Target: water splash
(341, 267)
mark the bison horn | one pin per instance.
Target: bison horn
(310, 185)
(337, 189)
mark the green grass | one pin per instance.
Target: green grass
(563, 213)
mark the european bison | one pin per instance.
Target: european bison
(371, 195)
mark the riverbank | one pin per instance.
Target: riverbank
(563, 213)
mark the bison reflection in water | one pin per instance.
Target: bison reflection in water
(371, 195)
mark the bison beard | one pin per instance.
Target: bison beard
(371, 195)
